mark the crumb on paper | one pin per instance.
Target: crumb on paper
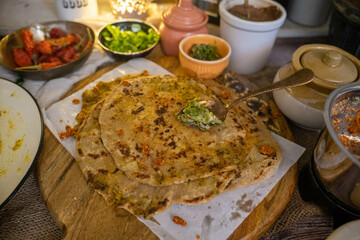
(76, 101)
(197, 237)
(13, 94)
(244, 205)
(235, 215)
(69, 132)
(179, 221)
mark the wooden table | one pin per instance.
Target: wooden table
(26, 216)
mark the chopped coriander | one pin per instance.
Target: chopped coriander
(206, 52)
(196, 114)
(127, 41)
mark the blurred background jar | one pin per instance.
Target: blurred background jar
(311, 13)
(344, 29)
(73, 10)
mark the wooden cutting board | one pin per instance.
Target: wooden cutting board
(82, 213)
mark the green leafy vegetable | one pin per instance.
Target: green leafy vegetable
(196, 114)
(206, 52)
(128, 41)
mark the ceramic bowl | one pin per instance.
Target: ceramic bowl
(129, 25)
(251, 41)
(39, 31)
(199, 68)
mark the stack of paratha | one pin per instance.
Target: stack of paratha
(138, 156)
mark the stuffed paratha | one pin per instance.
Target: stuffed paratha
(140, 130)
(92, 96)
(140, 199)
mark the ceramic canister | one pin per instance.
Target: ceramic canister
(332, 67)
(180, 21)
(251, 42)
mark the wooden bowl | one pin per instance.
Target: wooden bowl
(201, 68)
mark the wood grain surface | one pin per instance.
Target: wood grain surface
(82, 213)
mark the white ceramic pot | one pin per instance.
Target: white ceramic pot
(302, 114)
(332, 67)
(251, 42)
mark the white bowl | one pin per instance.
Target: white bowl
(251, 42)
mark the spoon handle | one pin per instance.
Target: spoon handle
(299, 78)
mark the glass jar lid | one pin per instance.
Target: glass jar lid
(332, 66)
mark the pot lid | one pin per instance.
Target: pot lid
(185, 16)
(332, 66)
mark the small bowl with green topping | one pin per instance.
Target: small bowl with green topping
(204, 55)
(128, 38)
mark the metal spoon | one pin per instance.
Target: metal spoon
(299, 78)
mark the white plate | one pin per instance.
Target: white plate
(348, 231)
(21, 136)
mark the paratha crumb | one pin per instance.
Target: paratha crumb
(179, 221)
(69, 132)
(197, 237)
(76, 101)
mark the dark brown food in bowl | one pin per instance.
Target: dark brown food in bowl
(251, 13)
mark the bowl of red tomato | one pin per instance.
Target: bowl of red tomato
(47, 50)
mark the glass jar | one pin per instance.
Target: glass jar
(336, 159)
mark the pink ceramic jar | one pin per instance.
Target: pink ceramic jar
(180, 21)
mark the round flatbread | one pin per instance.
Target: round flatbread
(150, 145)
(142, 200)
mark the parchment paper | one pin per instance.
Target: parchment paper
(215, 220)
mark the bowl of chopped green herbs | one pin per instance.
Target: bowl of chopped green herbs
(204, 55)
(128, 38)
